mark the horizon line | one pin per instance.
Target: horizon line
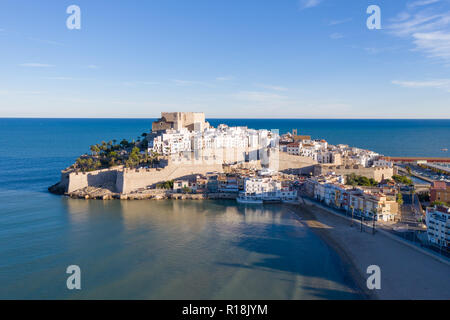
(215, 118)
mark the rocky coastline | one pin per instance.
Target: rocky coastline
(106, 193)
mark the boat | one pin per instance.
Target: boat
(272, 201)
(249, 200)
(444, 149)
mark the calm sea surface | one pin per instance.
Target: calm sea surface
(168, 249)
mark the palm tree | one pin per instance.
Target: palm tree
(95, 149)
(408, 169)
(146, 156)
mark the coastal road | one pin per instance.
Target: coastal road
(410, 212)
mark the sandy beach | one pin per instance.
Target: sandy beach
(406, 273)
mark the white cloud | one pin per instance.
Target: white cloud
(428, 28)
(336, 36)
(305, 4)
(435, 44)
(36, 65)
(92, 66)
(272, 87)
(420, 22)
(420, 3)
(436, 84)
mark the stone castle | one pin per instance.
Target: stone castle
(179, 120)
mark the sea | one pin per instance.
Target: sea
(169, 249)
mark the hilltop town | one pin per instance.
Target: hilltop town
(184, 157)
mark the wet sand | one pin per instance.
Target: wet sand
(405, 272)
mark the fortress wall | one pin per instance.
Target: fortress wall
(127, 180)
(98, 178)
(77, 180)
(295, 164)
(132, 179)
(377, 173)
(64, 182)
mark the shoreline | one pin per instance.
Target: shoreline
(351, 273)
(102, 193)
(405, 272)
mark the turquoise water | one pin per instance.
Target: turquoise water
(167, 249)
(164, 250)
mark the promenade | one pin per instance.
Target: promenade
(406, 273)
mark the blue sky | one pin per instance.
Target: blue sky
(227, 58)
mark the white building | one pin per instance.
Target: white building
(171, 142)
(324, 157)
(382, 163)
(294, 148)
(266, 189)
(438, 225)
(218, 143)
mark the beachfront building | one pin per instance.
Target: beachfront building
(438, 225)
(267, 189)
(228, 183)
(362, 201)
(180, 185)
(440, 191)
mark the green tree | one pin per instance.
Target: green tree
(399, 198)
(95, 149)
(124, 143)
(144, 144)
(440, 203)
(186, 190)
(408, 169)
(165, 185)
(402, 179)
(355, 180)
